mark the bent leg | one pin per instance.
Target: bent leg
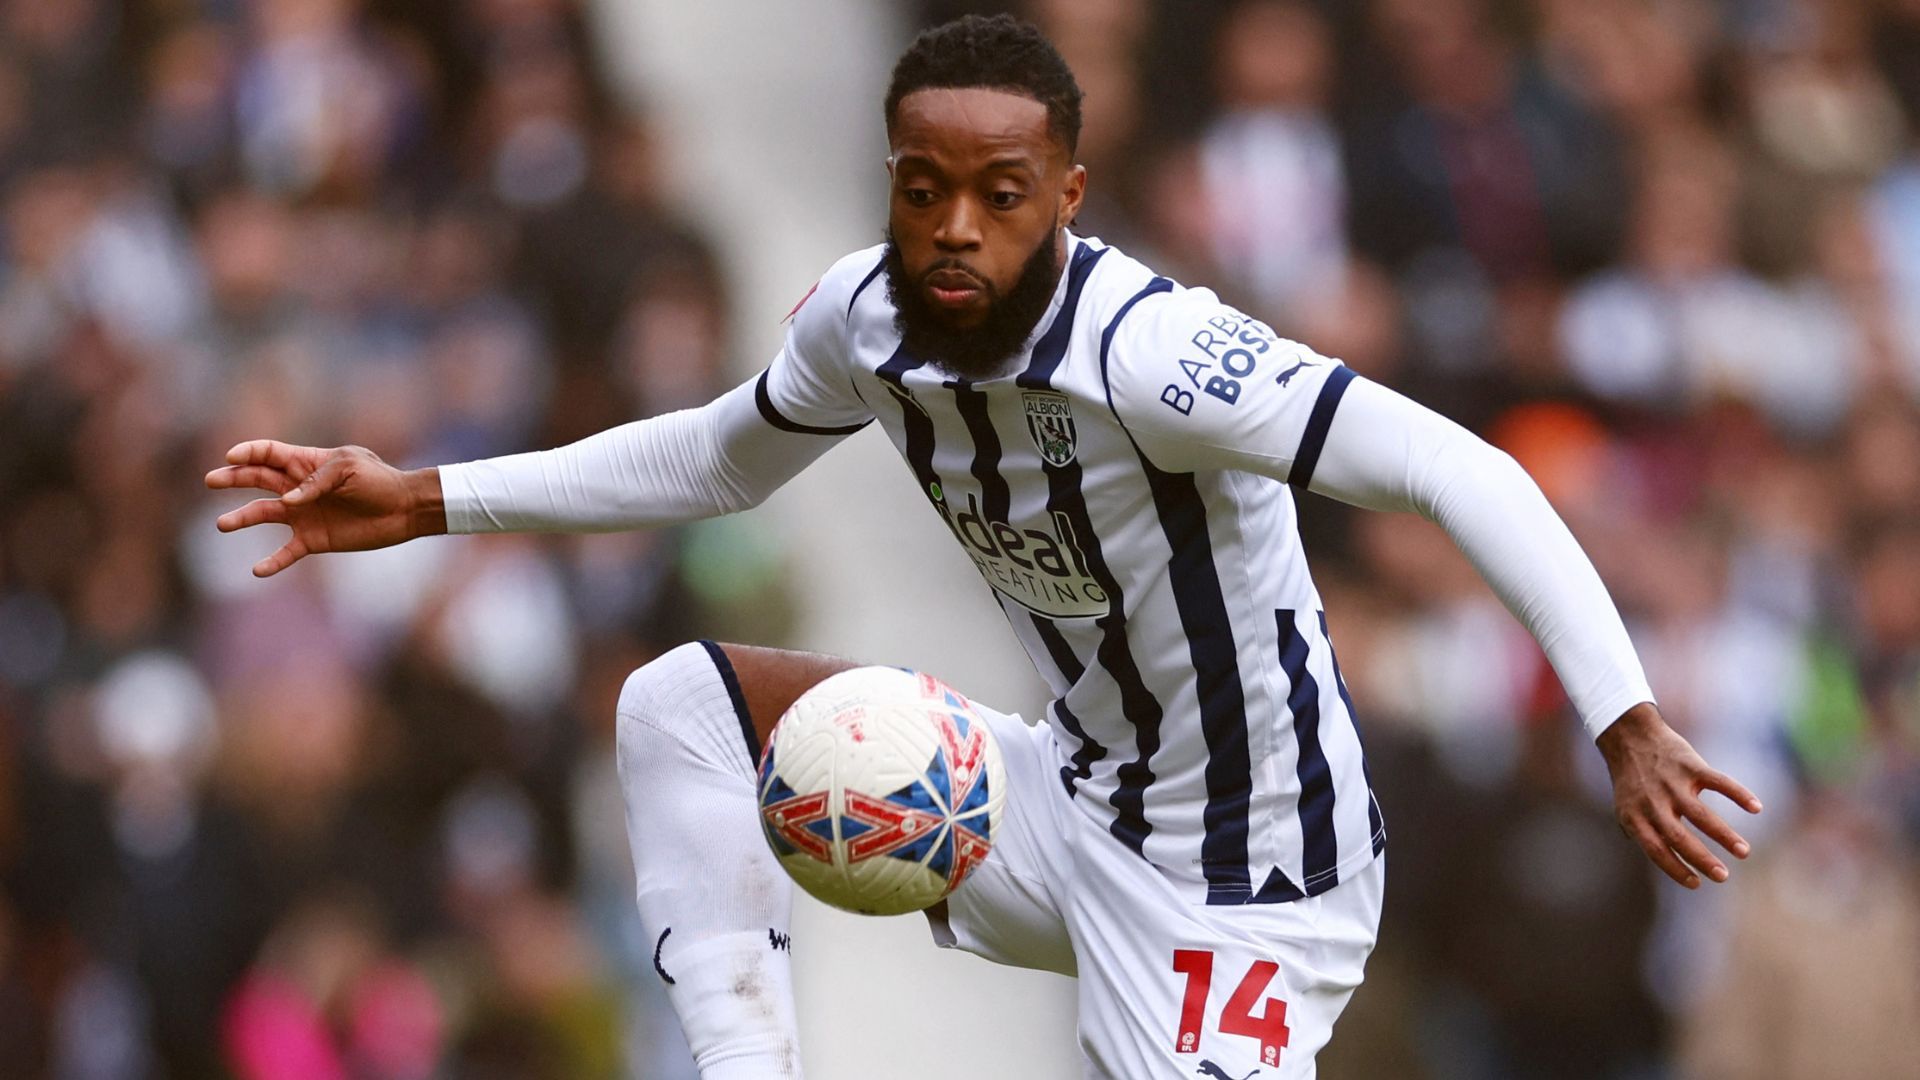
(709, 891)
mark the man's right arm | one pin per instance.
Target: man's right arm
(718, 459)
(723, 457)
(698, 463)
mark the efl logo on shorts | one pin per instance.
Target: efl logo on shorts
(1050, 422)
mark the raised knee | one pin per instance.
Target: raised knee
(679, 695)
(664, 677)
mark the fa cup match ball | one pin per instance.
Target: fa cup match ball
(880, 790)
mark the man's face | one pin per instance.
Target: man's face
(980, 192)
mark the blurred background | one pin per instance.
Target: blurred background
(361, 821)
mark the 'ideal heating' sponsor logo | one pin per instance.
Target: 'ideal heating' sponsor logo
(1034, 568)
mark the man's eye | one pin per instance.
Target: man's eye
(1005, 200)
(919, 196)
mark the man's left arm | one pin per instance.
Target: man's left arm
(1385, 451)
(1200, 386)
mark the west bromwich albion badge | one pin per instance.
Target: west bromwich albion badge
(1050, 422)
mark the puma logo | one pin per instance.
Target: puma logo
(1292, 371)
(1208, 1068)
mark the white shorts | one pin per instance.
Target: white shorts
(1167, 987)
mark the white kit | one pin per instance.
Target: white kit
(1194, 817)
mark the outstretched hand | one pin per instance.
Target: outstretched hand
(339, 499)
(1657, 781)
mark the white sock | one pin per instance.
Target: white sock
(710, 892)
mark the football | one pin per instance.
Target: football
(880, 790)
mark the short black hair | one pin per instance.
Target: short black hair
(995, 52)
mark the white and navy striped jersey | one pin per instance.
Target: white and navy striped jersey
(1119, 490)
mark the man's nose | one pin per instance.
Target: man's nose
(959, 228)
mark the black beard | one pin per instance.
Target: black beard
(976, 352)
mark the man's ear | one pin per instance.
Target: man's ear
(1075, 193)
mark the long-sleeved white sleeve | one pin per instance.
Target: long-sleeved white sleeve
(718, 459)
(1386, 452)
(1201, 386)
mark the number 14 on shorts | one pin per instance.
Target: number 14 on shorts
(1270, 1027)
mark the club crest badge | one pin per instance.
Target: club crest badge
(1050, 422)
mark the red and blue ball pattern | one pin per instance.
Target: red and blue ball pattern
(906, 842)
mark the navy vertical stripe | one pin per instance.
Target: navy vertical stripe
(1137, 702)
(1090, 751)
(1080, 766)
(1058, 650)
(919, 427)
(1223, 704)
(1320, 854)
(996, 500)
(1202, 605)
(1375, 827)
(1314, 438)
(997, 504)
(1065, 497)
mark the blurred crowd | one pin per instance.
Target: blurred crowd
(361, 820)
